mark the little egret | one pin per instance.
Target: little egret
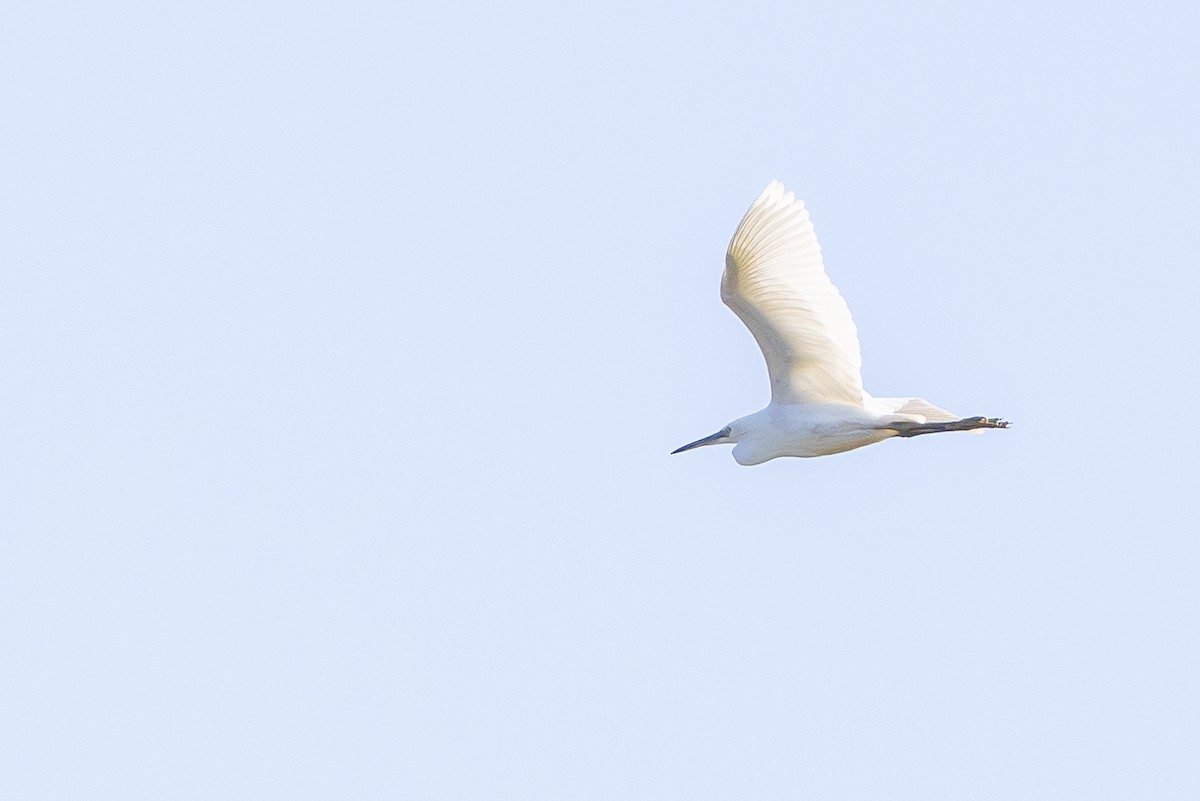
(775, 282)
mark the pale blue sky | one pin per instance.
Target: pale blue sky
(344, 346)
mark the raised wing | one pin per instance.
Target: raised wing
(775, 282)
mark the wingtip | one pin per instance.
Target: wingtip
(776, 194)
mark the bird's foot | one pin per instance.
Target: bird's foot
(987, 422)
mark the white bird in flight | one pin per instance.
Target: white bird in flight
(775, 282)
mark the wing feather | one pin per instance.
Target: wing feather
(775, 282)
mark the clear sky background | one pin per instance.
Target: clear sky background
(343, 347)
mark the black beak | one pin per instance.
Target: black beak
(709, 440)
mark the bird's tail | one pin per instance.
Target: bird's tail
(920, 410)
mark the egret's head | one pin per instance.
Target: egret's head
(721, 437)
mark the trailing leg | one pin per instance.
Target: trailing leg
(967, 424)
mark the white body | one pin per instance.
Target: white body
(817, 429)
(775, 281)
